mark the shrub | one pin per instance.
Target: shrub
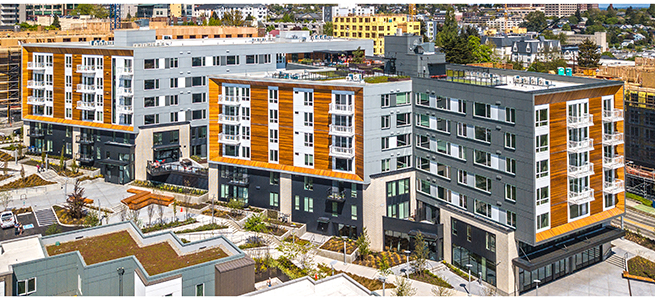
(52, 229)
(255, 223)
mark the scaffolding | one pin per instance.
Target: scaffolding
(640, 180)
(10, 72)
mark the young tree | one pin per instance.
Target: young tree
(358, 56)
(55, 22)
(175, 210)
(442, 291)
(43, 158)
(363, 243)
(5, 199)
(22, 173)
(328, 28)
(75, 203)
(403, 287)
(421, 253)
(62, 161)
(151, 213)
(588, 55)
(233, 18)
(384, 268)
(160, 212)
(5, 165)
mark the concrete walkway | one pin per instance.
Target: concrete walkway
(634, 249)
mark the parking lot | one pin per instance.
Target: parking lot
(30, 227)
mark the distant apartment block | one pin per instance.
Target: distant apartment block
(374, 27)
(33, 10)
(357, 10)
(560, 10)
(258, 11)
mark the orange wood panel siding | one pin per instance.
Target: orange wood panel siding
(213, 147)
(574, 95)
(259, 123)
(80, 123)
(558, 165)
(285, 117)
(27, 57)
(554, 232)
(359, 133)
(107, 87)
(258, 164)
(98, 50)
(77, 79)
(59, 84)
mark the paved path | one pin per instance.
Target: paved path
(45, 217)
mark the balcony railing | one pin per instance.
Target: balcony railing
(228, 119)
(612, 115)
(584, 120)
(581, 197)
(615, 162)
(229, 100)
(230, 139)
(35, 65)
(86, 88)
(614, 187)
(85, 139)
(85, 69)
(612, 139)
(85, 157)
(238, 179)
(335, 194)
(82, 105)
(124, 109)
(581, 171)
(581, 146)
(343, 152)
(156, 169)
(34, 100)
(37, 132)
(341, 109)
(342, 130)
(33, 84)
(125, 71)
(125, 91)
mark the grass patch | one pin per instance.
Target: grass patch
(211, 226)
(639, 266)
(173, 224)
(297, 240)
(191, 205)
(275, 230)
(236, 215)
(427, 277)
(336, 244)
(169, 187)
(381, 79)
(370, 284)
(156, 259)
(254, 244)
(373, 259)
(284, 264)
(64, 218)
(457, 271)
(29, 181)
(641, 199)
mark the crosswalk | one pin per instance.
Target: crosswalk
(45, 217)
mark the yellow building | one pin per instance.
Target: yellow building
(175, 10)
(374, 27)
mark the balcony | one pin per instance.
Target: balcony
(229, 139)
(334, 194)
(340, 130)
(125, 71)
(85, 139)
(125, 91)
(157, 169)
(86, 69)
(86, 88)
(615, 162)
(229, 100)
(581, 146)
(33, 84)
(614, 187)
(36, 66)
(34, 100)
(341, 109)
(581, 197)
(342, 152)
(581, 171)
(613, 115)
(228, 119)
(612, 139)
(238, 179)
(36, 132)
(124, 109)
(82, 105)
(84, 157)
(584, 120)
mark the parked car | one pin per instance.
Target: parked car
(7, 219)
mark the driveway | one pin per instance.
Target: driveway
(27, 220)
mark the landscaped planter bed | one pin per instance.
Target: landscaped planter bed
(29, 181)
(335, 244)
(237, 216)
(373, 259)
(639, 266)
(62, 215)
(370, 284)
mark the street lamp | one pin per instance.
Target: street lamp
(120, 272)
(537, 281)
(384, 280)
(407, 252)
(468, 266)
(334, 262)
(344, 248)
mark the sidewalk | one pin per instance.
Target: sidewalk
(634, 249)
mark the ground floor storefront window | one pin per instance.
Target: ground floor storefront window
(399, 242)
(480, 266)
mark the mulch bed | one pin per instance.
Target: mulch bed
(224, 214)
(430, 278)
(370, 284)
(191, 205)
(276, 230)
(64, 218)
(336, 244)
(639, 239)
(21, 210)
(373, 259)
(29, 181)
(297, 240)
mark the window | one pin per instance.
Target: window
(200, 289)
(69, 61)
(272, 115)
(385, 100)
(403, 140)
(510, 115)
(309, 183)
(69, 80)
(609, 200)
(273, 155)
(26, 287)
(174, 117)
(274, 178)
(274, 199)
(423, 163)
(541, 117)
(308, 99)
(273, 135)
(309, 139)
(309, 160)
(385, 143)
(245, 113)
(199, 98)
(273, 96)
(198, 61)
(386, 165)
(69, 97)
(576, 211)
(402, 98)
(543, 195)
(309, 119)
(443, 125)
(173, 100)
(232, 60)
(483, 183)
(199, 114)
(69, 113)
(510, 140)
(482, 110)
(151, 119)
(195, 81)
(151, 63)
(172, 63)
(402, 119)
(468, 233)
(510, 192)
(462, 177)
(510, 165)
(443, 170)
(542, 143)
(542, 168)
(385, 124)
(403, 162)
(482, 158)
(251, 59)
(491, 242)
(482, 208)
(174, 82)
(353, 212)
(296, 203)
(245, 152)
(453, 226)
(309, 204)
(150, 101)
(483, 134)
(511, 218)
(542, 221)
(151, 84)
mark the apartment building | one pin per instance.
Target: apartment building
(560, 10)
(11, 14)
(118, 105)
(258, 11)
(374, 27)
(528, 51)
(338, 11)
(181, 10)
(116, 260)
(33, 10)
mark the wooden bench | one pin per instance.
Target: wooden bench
(142, 198)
